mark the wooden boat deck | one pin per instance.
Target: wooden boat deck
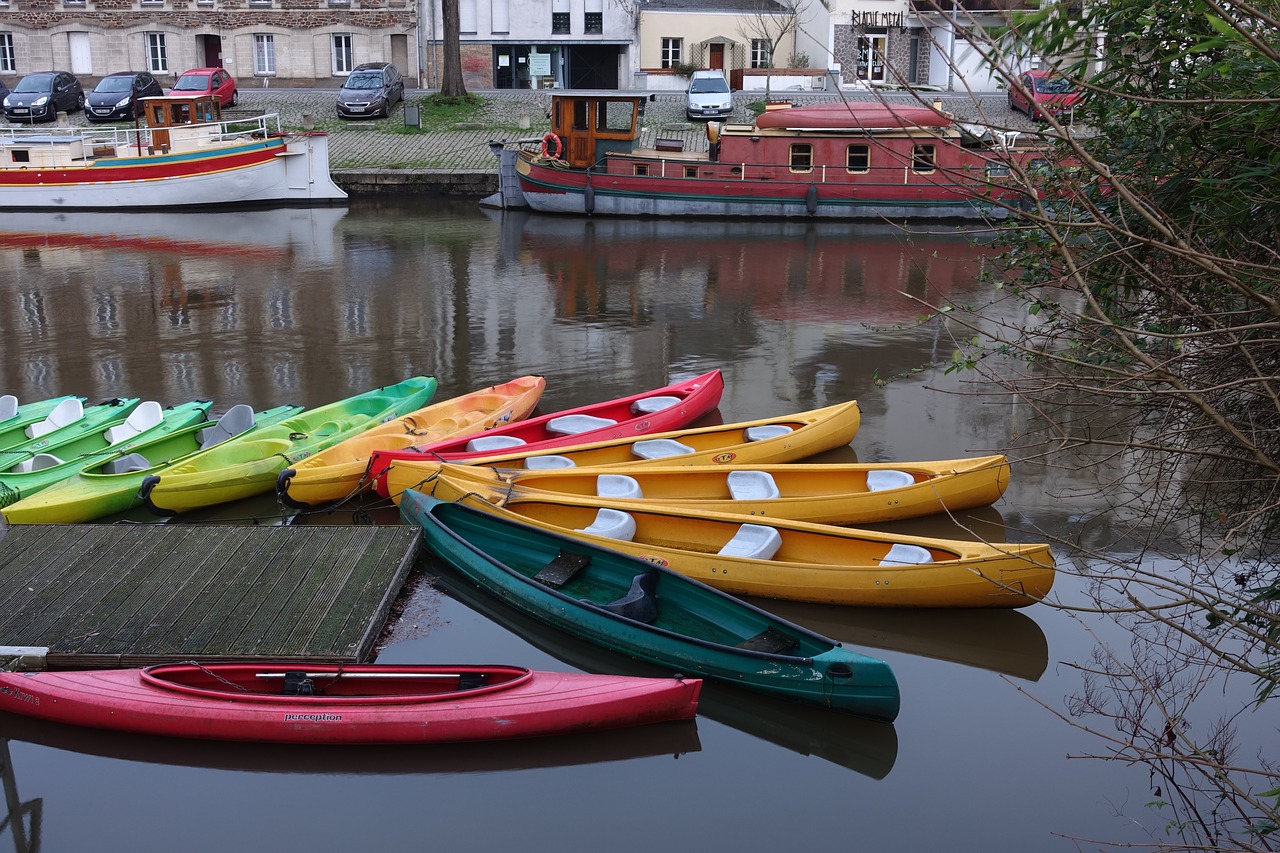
(131, 595)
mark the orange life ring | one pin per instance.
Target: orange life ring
(551, 146)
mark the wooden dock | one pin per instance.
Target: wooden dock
(131, 595)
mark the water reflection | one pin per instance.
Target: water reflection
(23, 820)
(601, 747)
(867, 747)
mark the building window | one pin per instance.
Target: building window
(924, 159)
(593, 22)
(264, 53)
(343, 53)
(801, 157)
(672, 50)
(858, 158)
(7, 60)
(761, 53)
(560, 22)
(500, 16)
(157, 56)
(467, 16)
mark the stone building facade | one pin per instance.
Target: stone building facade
(263, 43)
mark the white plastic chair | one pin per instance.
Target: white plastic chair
(658, 448)
(551, 460)
(753, 542)
(612, 524)
(906, 555)
(753, 486)
(36, 463)
(127, 463)
(881, 479)
(617, 486)
(649, 405)
(494, 442)
(141, 419)
(8, 407)
(574, 424)
(767, 431)
(65, 413)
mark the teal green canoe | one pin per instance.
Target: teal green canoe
(249, 464)
(16, 417)
(145, 422)
(110, 485)
(70, 421)
(648, 612)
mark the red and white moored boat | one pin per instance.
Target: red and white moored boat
(345, 704)
(660, 410)
(184, 154)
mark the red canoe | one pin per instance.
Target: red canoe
(660, 410)
(346, 704)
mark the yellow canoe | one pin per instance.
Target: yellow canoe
(791, 560)
(338, 473)
(859, 493)
(768, 440)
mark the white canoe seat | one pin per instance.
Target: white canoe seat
(881, 479)
(617, 486)
(551, 460)
(753, 542)
(906, 555)
(574, 424)
(141, 419)
(234, 421)
(8, 407)
(649, 405)
(658, 448)
(36, 463)
(767, 431)
(494, 442)
(125, 464)
(66, 412)
(753, 486)
(613, 524)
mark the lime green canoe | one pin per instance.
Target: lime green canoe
(110, 485)
(68, 422)
(15, 417)
(144, 423)
(249, 464)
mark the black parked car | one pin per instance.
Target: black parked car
(116, 95)
(371, 90)
(41, 96)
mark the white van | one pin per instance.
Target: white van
(709, 95)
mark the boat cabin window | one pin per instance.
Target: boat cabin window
(615, 116)
(21, 155)
(924, 158)
(641, 170)
(801, 157)
(580, 115)
(691, 171)
(858, 158)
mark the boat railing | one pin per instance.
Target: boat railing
(117, 136)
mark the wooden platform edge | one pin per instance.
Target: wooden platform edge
(378, 622)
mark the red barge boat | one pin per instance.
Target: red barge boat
(836, 160)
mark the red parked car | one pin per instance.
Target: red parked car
(207, 81)
(1049, 94)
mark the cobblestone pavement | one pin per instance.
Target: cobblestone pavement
(511, 115)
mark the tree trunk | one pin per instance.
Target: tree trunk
(451, 85)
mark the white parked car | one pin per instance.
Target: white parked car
(709, 95)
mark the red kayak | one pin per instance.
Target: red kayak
(346, 704)
(660, 410)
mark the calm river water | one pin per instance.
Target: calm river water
(306, 307)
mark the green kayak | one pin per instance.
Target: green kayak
(65, 423)
(15, 417)
(144, 423)
(249, 464)
(110, 485)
